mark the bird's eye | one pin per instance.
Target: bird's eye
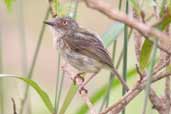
(64, 22)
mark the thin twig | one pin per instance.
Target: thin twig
(30, 74)
(84, 95)
(139, 72)
(79, 82)
(57, 84)
(132, 93)
(1, 80)
(155, 100)
(145, 29)
(160, 66)
(52, 9)
(14, 106)
(125, 52)
(167, 95)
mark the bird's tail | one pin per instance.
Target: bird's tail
(115, 72)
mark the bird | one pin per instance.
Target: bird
(81, 48)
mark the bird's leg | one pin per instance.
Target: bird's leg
(80, 76)
(85, 82)
(115, 72)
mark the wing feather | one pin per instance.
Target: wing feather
(88, 44)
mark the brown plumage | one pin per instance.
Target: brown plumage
(87, 44)
(81, 48)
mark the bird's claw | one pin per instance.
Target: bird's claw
(82, 90)
(78, 76)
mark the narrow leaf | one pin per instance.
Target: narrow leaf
(71, 93)
(112, 33)
(9, 4)
(147, 46)
(43, 95)
(149, 77)
(134, 4)
(145, 54)
(102, 91)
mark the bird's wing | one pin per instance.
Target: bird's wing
(88, 44)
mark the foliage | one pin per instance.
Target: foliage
(43, 95)
(9, 4)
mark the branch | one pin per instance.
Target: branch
(167, 95)
(14, 106)
(52, 9)
(137, 38)
(144, 29)
(132, 93)
(162, 104)
(156, 101)
(70, 71)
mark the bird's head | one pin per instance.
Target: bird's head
(63, 24)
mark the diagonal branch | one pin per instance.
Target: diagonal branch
(156, 101)
(132, 93)
(144, 29)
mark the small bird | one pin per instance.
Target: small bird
(81, 48)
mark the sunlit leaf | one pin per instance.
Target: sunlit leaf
(134, 4)
(163, 24)
(9, 4)
(149, 76)
(43, 95)
(71, 93)
(147, 46)
(145, 54)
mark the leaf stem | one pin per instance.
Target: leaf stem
(57, 83)
(150, 71)
(34, 62)
(125, 52)
(1, 80)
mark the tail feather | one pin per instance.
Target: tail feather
(115, 72)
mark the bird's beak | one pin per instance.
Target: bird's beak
(51, 23)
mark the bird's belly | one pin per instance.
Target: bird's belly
(81, 62)
(78, 61)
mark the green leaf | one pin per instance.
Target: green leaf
(71, 93)
(112, 33)
(168, 68)
(101, 92)
(56, 4)
(134, 4)
(147, 46)
(145, 54)
(163, 24)
(62, 9)
(9, 4)
(149, 76)
(43, 95)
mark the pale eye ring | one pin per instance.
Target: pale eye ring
(65, 22)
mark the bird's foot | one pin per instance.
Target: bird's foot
(82, 90)
(78, 77)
